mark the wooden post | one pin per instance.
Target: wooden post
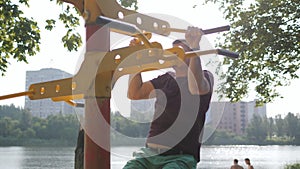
(97, 155)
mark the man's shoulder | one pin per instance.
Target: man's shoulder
(236, 167)
(167, 75)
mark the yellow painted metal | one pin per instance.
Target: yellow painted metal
(102, 87)
(91, 9)
(71, 103)
(9, 96)
(87, 8)
(68, 97)
(102, 69)
(98, 68)
(49, 89)
(111, 9)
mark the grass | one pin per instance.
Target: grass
(292, 166)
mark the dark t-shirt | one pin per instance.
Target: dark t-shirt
(179, 116)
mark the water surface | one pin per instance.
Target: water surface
(212, 157)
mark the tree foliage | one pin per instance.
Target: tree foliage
(19, 36)
(257, 130)
(262, 128)
(129, 3)
(128, 127)
(266, 34)
(18, 123)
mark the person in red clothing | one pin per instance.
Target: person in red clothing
(182, 100)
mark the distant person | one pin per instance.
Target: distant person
(247, 161)
(236, 165)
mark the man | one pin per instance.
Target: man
(236, 165)
(247, 161)
(182, 100)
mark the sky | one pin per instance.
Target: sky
(53, 55)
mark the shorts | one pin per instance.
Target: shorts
(146, 158)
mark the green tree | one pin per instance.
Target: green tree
(7, 126)
(279, 123)
(297, 137)
(256, 130)
(25, 121)
(128, 127)
(20, 36)
(39, 125)
(270, 126)
(10, 111)
(29, 133)
(266, 34)
(62, 127)
(291, 123)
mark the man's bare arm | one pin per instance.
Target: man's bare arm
(137, 89)
(198, 84)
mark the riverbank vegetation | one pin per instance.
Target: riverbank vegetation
(292, 166)
(260, 131)
(263, 131)
(19, 128)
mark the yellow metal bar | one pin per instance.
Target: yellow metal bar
(52, 89)
(68, 97)
(9, 96)
(111, 9)
(71, 103)
(119, 62)
(176, 30)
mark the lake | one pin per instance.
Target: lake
(212, 157)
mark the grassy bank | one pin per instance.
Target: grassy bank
(292, 166)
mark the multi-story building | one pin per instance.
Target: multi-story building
(234, 117)
(45, 107)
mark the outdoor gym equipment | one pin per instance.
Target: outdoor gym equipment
(96, 83)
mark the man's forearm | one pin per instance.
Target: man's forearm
(134, 85)
(198, 84)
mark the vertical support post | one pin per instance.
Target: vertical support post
(96, 156)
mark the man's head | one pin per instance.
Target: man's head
(235, 161)
(182, 43)
(247, 161)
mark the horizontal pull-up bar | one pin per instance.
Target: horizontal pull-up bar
(124, 28)
(205, 31)
(131, 29)
(222, 52)
(9, 96)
